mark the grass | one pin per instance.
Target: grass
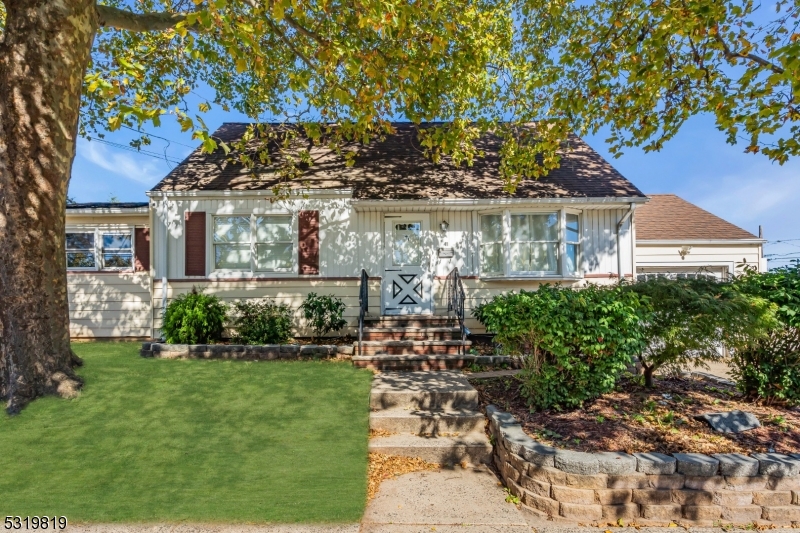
(202, 441)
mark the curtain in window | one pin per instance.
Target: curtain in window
(534, 242)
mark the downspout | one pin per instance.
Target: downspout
(164, 273)
(622, 221)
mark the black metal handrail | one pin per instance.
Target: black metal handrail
(454, 293)
(363, 303)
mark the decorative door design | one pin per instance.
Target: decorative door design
(407, 280)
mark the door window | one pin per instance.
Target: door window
(406, 249)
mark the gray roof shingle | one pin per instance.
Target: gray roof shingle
(395, 168)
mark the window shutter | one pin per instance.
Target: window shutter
(309, 242)
(195, 260)
(141, 252)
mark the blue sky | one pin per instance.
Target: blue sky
(697, 165)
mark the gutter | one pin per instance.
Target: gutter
(619, 249)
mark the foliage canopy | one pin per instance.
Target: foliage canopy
(194, 318)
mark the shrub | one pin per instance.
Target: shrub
(194, 318)
(690, 320)
(324, 313)
(262, 322)
(575, 343)
(770, 368)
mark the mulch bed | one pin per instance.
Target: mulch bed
(636, 419)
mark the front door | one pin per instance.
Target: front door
(407, 278)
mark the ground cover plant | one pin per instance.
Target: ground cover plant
(200, 441)
(194, 318)
(575, 342)
(265, 322)
(634, 418)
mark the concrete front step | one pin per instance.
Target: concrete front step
(422, 390)
(473, 448)
(410, 321)
(409, 347)
(412, 362)
(427, 422)
(400, 334)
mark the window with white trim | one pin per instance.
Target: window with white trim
(117, 250)
(258, 243)
(517, 243)
(81, 251)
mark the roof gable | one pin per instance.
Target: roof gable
(395, 168)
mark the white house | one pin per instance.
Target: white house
(395, 215)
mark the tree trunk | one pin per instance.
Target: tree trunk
(43, 57)
(648, 375)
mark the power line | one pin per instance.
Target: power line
(148, 153)
(783, 240)
(158, 137)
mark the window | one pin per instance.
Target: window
(406, 249)
(232, 243)
(573, 238)
(492, 244)
(80, 250)
(117, 250)
(530, 244)
(274, 243)
(263, 243)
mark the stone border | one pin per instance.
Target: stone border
(645, 488)
(266, 352)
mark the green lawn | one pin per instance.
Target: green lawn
(208, 441)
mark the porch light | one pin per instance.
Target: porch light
(444, 225)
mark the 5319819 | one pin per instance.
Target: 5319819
(36, 522)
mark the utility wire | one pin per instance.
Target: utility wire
(159, 137)
(148, 153)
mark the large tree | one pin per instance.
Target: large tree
(79, 67)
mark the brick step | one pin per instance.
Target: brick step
(427, 422)
(412, 362)
(400, 334)
(473, 448)
(422, 390)
(409, 321)
(411, 347)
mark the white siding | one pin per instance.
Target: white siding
(667, 256)
(109, 304)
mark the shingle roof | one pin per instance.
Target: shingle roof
(395, 168)
(669, 217)
(108, 205)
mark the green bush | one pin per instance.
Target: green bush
(575, 343)
(769, 368)
(324, 313)
(691, 319)
(262, 322)
(194, 318)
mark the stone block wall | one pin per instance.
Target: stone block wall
(645, 488)
(266, 352)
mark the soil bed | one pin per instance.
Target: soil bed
(636, 419)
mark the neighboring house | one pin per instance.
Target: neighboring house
(108, 270)
(678, 239)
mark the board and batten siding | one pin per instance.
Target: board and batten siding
(733, 257)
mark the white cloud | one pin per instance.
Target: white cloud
(126, 164)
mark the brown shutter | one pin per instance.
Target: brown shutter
(141, 252)
(309, 242)
(195, 243)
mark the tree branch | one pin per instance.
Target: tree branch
(752, 57)
(288, 43)
(112, 17)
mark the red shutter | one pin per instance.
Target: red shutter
(141, 252)
(195, 243)
(309, 242)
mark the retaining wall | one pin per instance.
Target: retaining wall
(266, 352)
(645, 488)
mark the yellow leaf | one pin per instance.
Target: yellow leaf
(241, 65)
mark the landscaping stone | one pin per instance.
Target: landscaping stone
(783, 483)
(787, 513)
(581, 481)
(500, 418)
(674, 481)
(661, 512)
(612, 496)
(539, 454)
(730, 421)
(540, 488)
(696, 464)
(736, 464)
(547, 474)
(728, 498)
(651, 497)
(745, 514)
(626, 511)
(702, 512)
(576, 462)
(750, 483)
(777, 465)
(515, 439)
(576, 511)
(773, 498)
(692, 497)
(705, 482)
(616, 463)
(795, 497)
(345, 349)
(540, 503)
(570, 495)
(628, 481)
(655, 463)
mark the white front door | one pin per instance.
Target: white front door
(407, 277)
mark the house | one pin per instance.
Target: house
(395, 216)
(678, 239)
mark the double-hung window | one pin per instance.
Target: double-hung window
(258, 243)
(81, 250)
(117, 250)
(99, 250)
(534, 244)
